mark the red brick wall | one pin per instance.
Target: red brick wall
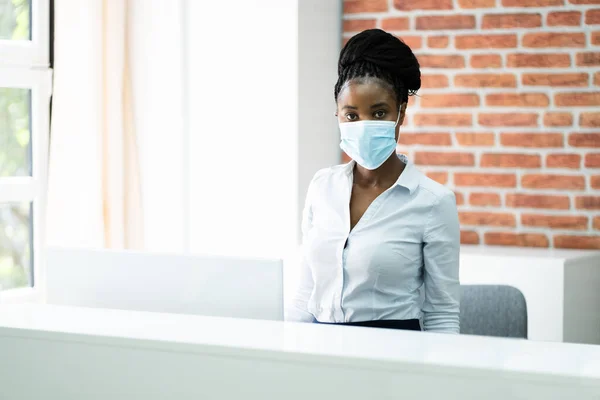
(509, 113)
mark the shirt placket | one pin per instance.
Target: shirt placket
(371, 210)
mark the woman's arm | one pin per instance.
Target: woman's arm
(441, 307)
(298, 309)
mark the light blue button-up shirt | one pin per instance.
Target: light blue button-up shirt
(399, 262)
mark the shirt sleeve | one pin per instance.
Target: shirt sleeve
(441, 250)
(298, 308)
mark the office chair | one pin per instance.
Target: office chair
(493, 310)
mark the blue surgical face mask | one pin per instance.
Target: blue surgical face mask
(369, 143)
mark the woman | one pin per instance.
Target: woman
(380, 239)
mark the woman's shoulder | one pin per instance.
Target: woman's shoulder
(327, 173)
(437, 191)
(326, 181)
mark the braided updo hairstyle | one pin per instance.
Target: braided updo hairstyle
(377, 54)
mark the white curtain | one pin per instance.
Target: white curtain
(94, 188)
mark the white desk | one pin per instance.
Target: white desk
(72, 353)
(561, 287)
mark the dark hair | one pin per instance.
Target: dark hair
(378, 54)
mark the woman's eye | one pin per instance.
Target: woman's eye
(351, 117)
(380, 114)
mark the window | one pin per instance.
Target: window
(25, 89)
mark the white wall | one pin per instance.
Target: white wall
(157, 50)
(234, 111)
(241, 82)
(319, 44)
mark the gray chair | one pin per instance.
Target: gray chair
(493, 310)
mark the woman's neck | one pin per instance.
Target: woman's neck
(384, 176)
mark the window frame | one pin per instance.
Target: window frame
(34, 52)
(25, 65)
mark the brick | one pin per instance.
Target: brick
(553, 181)
(486, 80)
(395, 24)
(439, 177)
(595, 182)
(590, 120)
(577, 99)
(516, 239)
(517, 100)
(584, 139)
(345, 158)
(469, 237)
(588, 202)
(538, 60)
(592, 160)
(439, 61)
(507, 21)
(426, 139)
(532, 3)
(359, 25)
(485, 199)
(555, 221)
(475, 139)
(412, 101)
(486, 218)
(592, 17)
(449, 100)
(477, 3)
(538, 201)
(564, 18)
(365, 6)
(438, 42)
(460, 199)
(455, 120)
(485, 180)
(486, 61)
(589, 59)
(535, 140)
(510, 119)
(507, 160)
(554, 39)
(595, 38)
(597, 79)
(434, 81)
(444, 158)
(597, 223)
(408, 5)
(563, 161)
(485, 41)
(414, 42)
(577, 242)
(556, 79)
(445, 22)
(558, 119)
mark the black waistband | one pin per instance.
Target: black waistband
(404, 324)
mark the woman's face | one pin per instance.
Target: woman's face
(368, 100)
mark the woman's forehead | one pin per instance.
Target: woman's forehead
(366, 90)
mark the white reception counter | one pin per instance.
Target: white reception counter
(79, 353)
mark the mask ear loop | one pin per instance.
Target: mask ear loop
(395, 126)
(398, 119)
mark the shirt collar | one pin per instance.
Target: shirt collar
(409, 178)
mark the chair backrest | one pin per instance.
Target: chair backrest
(493, 310)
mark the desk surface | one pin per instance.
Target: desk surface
(527, 252)
(278, 339)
